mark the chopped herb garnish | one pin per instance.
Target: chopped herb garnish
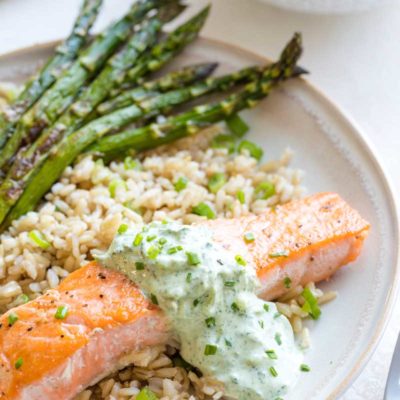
(271, 354)
(216, 182)
(228, 343)
(224, 142)
(237, 126)
(61, 313)
(162, 241)
(138, 239)
(266, 307)
(273, 372)
(12, 319)
(181, 184)
(174, 250)
(204, 210)
(264, 190)
(150, 238)
(154, 299)
(287, 282)
(18, 364)
(153, 252)
(193, 258)
(210, 350)
(210, 322)
(146, 394)
(311, 304)
(254, 150)
(278, 338)
(229, 283)
(235, 307)
(131, 163)
(164, 222)
(139, 266)
(261, 323)
(39, 239)
(240, 260)
(23, 298)
(122, 229)
(114, 185)
(196, 302)
(277, 315)
(241, 197)
(189, 277)
(249, 237)
(305, 368)
(279, 254)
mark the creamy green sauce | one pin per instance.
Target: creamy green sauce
(208, 295)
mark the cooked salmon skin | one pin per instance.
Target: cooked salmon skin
(45, 355)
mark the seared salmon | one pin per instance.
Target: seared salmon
(66, 340)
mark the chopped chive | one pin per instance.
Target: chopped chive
(39, 239)
(196, 302)
(18, 364)
(114, 185)
(154, 299)
(210, 322)
(204, 210)
(216, 182)
(193, 258)
(131, 163)
(138, 239)
(150, 238)
(61, 313)
(249, 237)
(229, 283)
(261, 323)
(237, 126)
(181, 184)
(278, 254)
(278, 338)
(241, 197)
(273, 372)
(228, 343)
(254, 150)
(305, 368)
(235, 307)
(240, 260)
(287, 282)
(277, 315)
(174, 250)
(139, 266)
(164, 222)
(264, 190)
(146, 394)
(122, 229)
(153, 252)
(271, 354)
(210, 350)
(266, 307)
(189, 277)
(22, 298)
(311, 304)
(12, 319)
(162, 241)
(224, 142)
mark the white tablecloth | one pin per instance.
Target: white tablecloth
(354, 59)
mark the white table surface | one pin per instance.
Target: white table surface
(354, 59)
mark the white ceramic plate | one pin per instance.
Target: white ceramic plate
(336, 158)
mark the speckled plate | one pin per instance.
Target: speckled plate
(336, 157)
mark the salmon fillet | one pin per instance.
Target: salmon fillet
(108, 317)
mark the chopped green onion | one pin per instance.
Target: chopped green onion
(240, 260)
(164, 222)
(305, 368)
(228, 343)
(235, 307)
(39, 239)
(237, 126)
(154, 299)
(138, 239)
(249, 237)
(254, 150)
(12, 319)
(18, 364)
(266, 307)
(261, 323)
(146, 394)
(279, 254)
(210, 322)
(150, 238)
(216, 182)
(264, 190)
(210, 350)
(139, 266)
(153, 252)
(224, 142)
(273, 372)
(196, 302)
(204, 210)
(277, 315)
(229, 283)
(61, 313)
(311, 304)
(241, 197)
(114, 185)
(174, 250)
(287, 282)
(162, 241)
(181, 184)
(193, 258)
(271, 354)
(22, 298)
(122, 229)
(131, 163)
(189, 277)
(278, 338)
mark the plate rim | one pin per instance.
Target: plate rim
(367, 147)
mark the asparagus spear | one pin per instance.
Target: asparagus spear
(170, 81)
(65, 54)
(61, 95)
(154, 134)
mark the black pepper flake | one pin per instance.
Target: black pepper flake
(71, 296)
(85, 305)
(62, 336)
(1, 326)
(339, 221)
(101, 276)
(52, 301)
(312, 258)
(300, 226)
(30, 328)
(101, 295)
(67, 292)
(220, 262)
